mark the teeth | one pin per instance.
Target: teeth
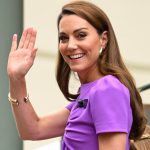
(76, 56)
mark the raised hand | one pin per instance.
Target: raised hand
(22, 56)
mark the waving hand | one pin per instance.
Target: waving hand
(22, 56)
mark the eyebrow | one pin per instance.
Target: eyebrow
(77, 30)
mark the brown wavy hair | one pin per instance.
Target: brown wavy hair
(110, 61)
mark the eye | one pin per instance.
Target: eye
(63, 39)
(81, 35)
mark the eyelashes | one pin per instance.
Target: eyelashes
(63, 39)
(78, 36)
(82, 35)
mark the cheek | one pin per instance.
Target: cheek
(61, 49)
(92, 48)
(93, 44)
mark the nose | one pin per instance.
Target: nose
(72, 44)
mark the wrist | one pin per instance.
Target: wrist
(16, 101)
(17, 87)
(17, 80)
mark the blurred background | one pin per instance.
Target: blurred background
(131, 23)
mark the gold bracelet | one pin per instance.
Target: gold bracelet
(15, 101)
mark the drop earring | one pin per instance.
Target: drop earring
(100, 51)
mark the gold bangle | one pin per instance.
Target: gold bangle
(15, 101)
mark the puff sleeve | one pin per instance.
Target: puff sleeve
(110, 107)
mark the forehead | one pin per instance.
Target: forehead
(73, 22)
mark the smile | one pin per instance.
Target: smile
(76, 56)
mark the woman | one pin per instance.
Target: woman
(107, 110)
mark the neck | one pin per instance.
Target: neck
(89, 76)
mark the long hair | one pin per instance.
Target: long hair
(110, 61)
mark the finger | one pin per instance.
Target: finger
(23, 37)
(33, 54)
(14, 43)
(28, 37)
(32, 40)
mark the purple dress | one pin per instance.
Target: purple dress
(106, 109)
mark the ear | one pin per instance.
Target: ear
(104, 39)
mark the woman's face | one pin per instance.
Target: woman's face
(79, 43)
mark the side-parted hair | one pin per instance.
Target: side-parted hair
(110, 61)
